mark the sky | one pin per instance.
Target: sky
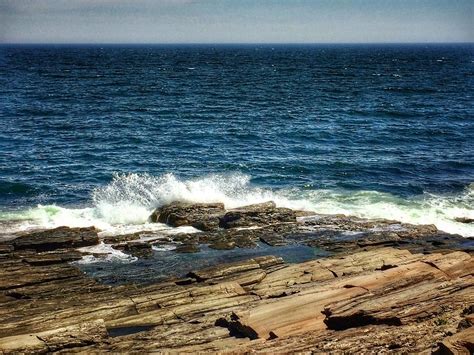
(236, 21)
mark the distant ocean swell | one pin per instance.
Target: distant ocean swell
(124, 205)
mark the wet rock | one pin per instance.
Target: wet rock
(335, 241)
(203, 216)
(187, 248)
(115, 239)
(138, 249)
(49, 258)
(344, 234)
(243, 241)
(304, 214)
(388, 288)
(222, 245)
(257, 215)
(58, 238)
(464, 220)
(209, 217)
(244, 238)
(187, 238)
(273, 240)
(417, 231)
(239, 238)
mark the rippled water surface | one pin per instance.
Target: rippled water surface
(102, 135)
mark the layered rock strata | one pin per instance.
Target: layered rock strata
(389, 288)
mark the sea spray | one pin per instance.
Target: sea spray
(147, 191)
(124, 205)
(104, 252)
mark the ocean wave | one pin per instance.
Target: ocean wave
(124, 205)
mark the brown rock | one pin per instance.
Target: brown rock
(58, 238)
(187, 248)
(54, 340)
(273, 240)
(395, 296)
(243, 241)
(464, 220)
(222, 245)
(203, 216)
(257, 215)
(121, 238)
(6, 248)
(231, 269)
(377, 300)
(57, 256)
(458, 344)
(138, 249)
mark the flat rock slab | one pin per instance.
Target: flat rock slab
(245, 226)
(413, 290)
(203, 216)
(373, 300)
(54, 340)
(58, 238)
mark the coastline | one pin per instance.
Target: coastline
(383, 286)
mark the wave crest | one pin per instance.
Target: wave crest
(124, 205)
(147, 191)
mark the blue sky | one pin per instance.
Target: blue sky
(236, 21)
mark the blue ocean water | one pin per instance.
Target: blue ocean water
(103, 134)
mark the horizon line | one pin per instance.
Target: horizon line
(226, 43)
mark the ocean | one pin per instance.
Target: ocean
(102, 135)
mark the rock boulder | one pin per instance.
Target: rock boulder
(203, 216)
(261, 214)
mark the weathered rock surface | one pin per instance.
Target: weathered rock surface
(211, 216)
(464, 220)
(379, 300)
(203, 216)
(52, 340)
(247, 226)
(61, 237)
(135, 248)
(273, 235)
(388, 287)
(187, 248)
(261, 214)
(460, 343)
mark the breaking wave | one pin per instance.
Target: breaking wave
(124, 205)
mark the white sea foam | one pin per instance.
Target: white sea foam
(163, 247)
(125, 204)
(104, 252)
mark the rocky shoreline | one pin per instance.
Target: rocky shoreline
(384, 287)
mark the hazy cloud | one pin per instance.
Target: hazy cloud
(236, 21)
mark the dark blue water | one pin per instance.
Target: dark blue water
(350, 125)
